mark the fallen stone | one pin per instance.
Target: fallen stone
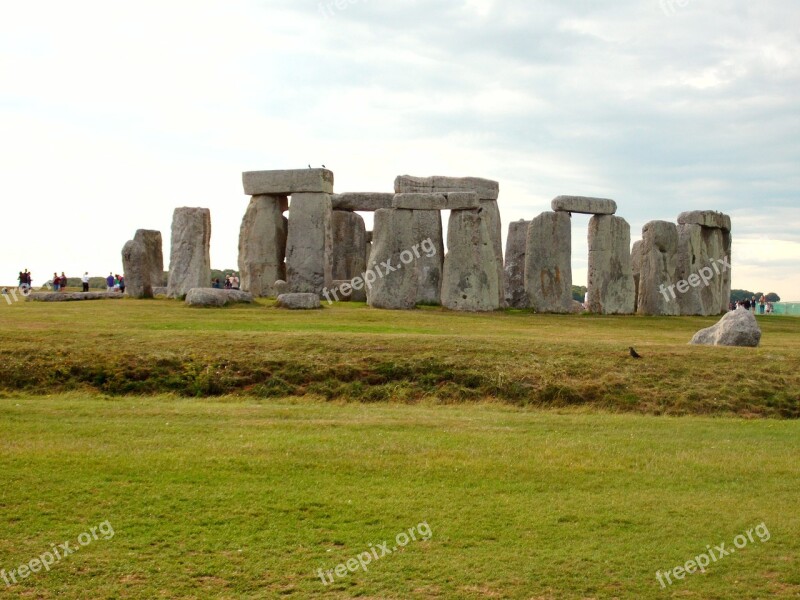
(361, 201)
(438, 184)
(514, 269)
(72, 296)
(391, 278)
(611, 289)
(427, 232)
(288, 182)
(548, 263)
(420, 201)
(298, 301)
(216, 297)
(309, 244)
(154, 249)
(737, 328)
(470, 277)
(136, 268)
(706, 218)
(262, 245)
(190, 259)
(584, 205)
(658, 264)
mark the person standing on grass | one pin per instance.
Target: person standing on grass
(762, 303)
(110, 282)
(235, 282)
(121, 283)
(63, 281)
(56, 282)
(85, 282)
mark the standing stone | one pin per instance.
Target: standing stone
(491, 215)
(514, 270)
(349, 240)
(391, 276)
(309, 244)
(611, 289)
(190, 254)
(154, 249)
(702, 250)
(430, 262)
(368, 248)
(636, 269)
(470, 278)
(548, 263)
(262, 245)
(136, 268)
(658, 267)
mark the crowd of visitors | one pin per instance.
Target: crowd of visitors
(760, 306)
(231, 283)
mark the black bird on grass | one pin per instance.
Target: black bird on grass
(634, 354)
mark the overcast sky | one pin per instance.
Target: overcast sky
(114, 113)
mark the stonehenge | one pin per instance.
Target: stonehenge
(262, 244)
(154, 249)
(309, 244)
(136, 266)
(349, 241)
(657, 257)
(548, 263)
(190, 258)
(610, 288)
(514, 268)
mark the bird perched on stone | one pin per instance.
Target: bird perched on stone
(309, 166)
(324, 167)
(634, 354)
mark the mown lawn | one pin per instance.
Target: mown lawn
(243, 498)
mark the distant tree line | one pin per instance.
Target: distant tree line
(737, 295)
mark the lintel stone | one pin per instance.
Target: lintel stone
(288, 182)
(584, 205)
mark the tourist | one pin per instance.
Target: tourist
(235, 282)
(110, 282)
(762, 303)
(228, 284)
(85, 282)
(63, 281)
(216, 284)
(56, 282)
(746, 304)
(770, 308)
(121, 279)
(753, 303)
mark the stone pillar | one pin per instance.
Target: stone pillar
(470, 277)
(262, 245)
(136, 267)
(309, 243)
(491, 214)
(700, 249)
(429, 263)
(611, 289)
(190, 251)
(514, 270)
(548, 263)
(368, 248)
(349, 240)
(154, 250)
(658, 269)
(391, 277)
(636, 269)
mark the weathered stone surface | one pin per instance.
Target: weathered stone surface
(362, 201)
(160, 290)
(154, 249)
(584, 205)
(470, 276)
(298, 301)
(491, 214)
(736, 328)
(577, 307)
(703, 251)
(462, 200)
(288, 182)
(341, 290)
(72, 296)
(190, 259)
(349, 240)
(548, 263)
(216, 297)
(262, 245)
(280, 287)
(438, 184)
(430, 262)
(611, 289)
(309, 245)
(136, 267)
(369, 237)
(392, 243)
(420, 201)
(514, 269)
(706, 218)
(636, 269)
(658, 269)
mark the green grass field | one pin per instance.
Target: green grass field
(236, 452)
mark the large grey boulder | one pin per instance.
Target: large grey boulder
(736, 328)
(190, 254)
(470, 276)
(391, 278)
(262, 245)
(658, 258)
(309, 244)
(491, 214)
(584, 205)
(154, 249)
(288, 182)
(216, 297)
(514, 268)
(136, 267)
(361, 201)
(611, 289)
(548, 263)
(429, 256)
(298, 301)
(438, 184)
(72, 296)
(703, 271)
